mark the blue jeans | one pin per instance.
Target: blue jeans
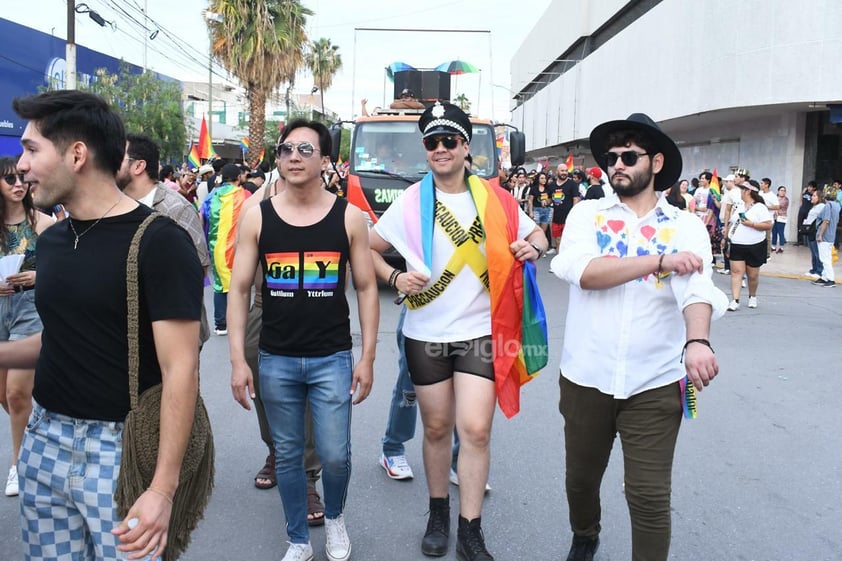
(68, 471)
(778, 238)
(400, 427)
(286, 384)
(220, 310)
(817, 267)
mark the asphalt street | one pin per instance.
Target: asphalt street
(756, 476)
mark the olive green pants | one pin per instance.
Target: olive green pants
(648, 426)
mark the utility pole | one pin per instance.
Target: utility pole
(218, 18)
(70, 49)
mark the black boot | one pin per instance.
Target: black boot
(470, 541)
(583, 548)
(435, 539)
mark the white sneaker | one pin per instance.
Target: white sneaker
(12, 484)
(454, 478)
(812, 275)
(337, 542)
(299, 552)
(551, 251)
(724, 271)
(752, 301)
(220, 332)
(396, 466)
(733, 306)
(743, 283)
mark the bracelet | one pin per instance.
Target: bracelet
(660, 265)
(393, 277)
(538, 249)
(160, 493)
(704, 342)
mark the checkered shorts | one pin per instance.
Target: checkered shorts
(68, 471)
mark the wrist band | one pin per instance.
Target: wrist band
(394, 277)
(659, 271)
(536, 248)
(704, 342)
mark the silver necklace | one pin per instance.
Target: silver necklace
(89, 228)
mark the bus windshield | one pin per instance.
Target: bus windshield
(395, 147)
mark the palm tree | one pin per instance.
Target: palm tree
(324, 61)
(462, 102)
(261, 43)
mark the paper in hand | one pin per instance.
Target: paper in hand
(9, 265)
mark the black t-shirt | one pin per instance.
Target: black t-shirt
(563, 196)
(595, 192)
(82, 371)
(540, 198)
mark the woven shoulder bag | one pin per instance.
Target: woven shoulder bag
(141, 434)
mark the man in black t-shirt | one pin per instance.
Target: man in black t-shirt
(565, 194)
(73, 146)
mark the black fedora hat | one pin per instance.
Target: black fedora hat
(671, 171)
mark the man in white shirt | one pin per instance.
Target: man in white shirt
(641, 302)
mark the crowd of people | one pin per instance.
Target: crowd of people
(628, 235)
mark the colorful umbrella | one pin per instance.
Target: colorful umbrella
(457, 67)
(397, 67)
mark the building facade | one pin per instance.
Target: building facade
(752, 84)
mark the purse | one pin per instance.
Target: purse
(141, 433)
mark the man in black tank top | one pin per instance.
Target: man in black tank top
(304, 239)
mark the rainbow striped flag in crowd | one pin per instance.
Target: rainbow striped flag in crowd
(714, 185)
(193, 157)
(244, 144)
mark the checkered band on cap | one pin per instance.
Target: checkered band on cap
(448, 123)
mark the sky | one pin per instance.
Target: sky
(365, 54)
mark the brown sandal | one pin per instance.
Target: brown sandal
(266, 478)
(315, 508)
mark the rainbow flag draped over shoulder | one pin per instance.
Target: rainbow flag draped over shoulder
(220, 214)
(193, 157)
(498, 213)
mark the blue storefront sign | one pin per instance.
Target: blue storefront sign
(31, 61)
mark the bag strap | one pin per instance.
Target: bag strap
(132, 300)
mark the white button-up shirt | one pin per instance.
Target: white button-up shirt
(628, 339)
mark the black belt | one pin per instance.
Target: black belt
(19, 288)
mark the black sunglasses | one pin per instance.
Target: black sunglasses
(10, 178)
(432, 142)
(305, 149)
(629, 157)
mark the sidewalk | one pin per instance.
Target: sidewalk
(793, 263)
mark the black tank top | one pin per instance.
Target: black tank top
(305, 312)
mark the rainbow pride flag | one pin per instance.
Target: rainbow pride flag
(714, 185)
(220, 214)
(206, 150)
(509, 283)
(569, 162)
(193, 157)
(244, 144)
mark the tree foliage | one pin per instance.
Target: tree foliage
(324, 61)
(463, 102)
(148, 105)
(261, 43)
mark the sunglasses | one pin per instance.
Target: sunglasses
(432, 142)
(629, 157)
(10, 178)
(305, 149)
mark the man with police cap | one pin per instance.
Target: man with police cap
(455, 253)
(641, 302)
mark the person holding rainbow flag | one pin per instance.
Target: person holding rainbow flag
(468, 248)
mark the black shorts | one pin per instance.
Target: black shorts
(430, 363)
(754, 255)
